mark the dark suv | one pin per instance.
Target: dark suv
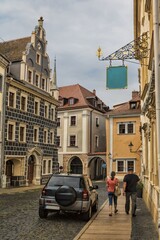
(69, 193)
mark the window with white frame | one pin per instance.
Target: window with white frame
(130, 164)
(58, 122)
(97, 122)
(120, 166)
(37, 106)
(23, 102)
(38, 58)
(52, 136)
(73, 121)
(46, 110)
(37, 77)
(71, 101)
(45, 136)
(11, 131)
(35, 134)
(43, 83)
(52, 116)
(126, 128)
(22, 132)
(124, 165)
(58, 141)
(44, 166)
(96, 141)
(72, 140)
(30, 76)
(47, 166)
(12, 98)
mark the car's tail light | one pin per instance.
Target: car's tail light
(43, 192)
(85, 195)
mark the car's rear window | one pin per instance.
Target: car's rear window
(74, 182)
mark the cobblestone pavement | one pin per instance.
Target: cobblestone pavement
(143, 227)
(20, 221)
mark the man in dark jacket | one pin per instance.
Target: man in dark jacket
(129, 190)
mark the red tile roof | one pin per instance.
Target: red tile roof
(84, 97)
(125, 108)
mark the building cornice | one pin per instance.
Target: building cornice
(18, 84)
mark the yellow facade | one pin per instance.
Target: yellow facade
(118, 155)
(144, 14)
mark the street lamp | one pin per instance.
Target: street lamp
(136, 151)
(130, 146)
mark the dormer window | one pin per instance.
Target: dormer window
(133, 105)
(71, 101)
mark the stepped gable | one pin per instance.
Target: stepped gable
(13, 49)
(82, 97)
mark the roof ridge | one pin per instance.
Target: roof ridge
(14, 40)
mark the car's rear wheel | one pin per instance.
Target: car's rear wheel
(65, 196)
(87, 215)
(43, 213)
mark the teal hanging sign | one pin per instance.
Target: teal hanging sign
(116, 77)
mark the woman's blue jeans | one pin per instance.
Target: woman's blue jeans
(112, 198)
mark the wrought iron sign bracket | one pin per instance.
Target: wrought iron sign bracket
(137, 49)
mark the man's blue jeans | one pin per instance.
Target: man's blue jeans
(133, 197)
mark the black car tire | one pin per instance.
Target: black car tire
(95, 206)
(65, 196)
(43, 213)
(87, 215)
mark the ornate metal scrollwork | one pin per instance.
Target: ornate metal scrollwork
(137, 49)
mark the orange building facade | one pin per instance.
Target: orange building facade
(123, 129)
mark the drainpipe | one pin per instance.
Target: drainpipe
(157, 89)
(91, 132)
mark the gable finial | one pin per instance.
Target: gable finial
(40, 21)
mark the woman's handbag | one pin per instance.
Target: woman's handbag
(117, 191)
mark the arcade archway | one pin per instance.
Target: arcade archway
(97, 168)
(76, 166)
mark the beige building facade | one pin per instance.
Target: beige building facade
(146, 23)
(81, 131)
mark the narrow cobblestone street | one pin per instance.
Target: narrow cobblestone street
(20, 220)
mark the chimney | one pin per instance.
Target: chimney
(135, 94)
(94, 92)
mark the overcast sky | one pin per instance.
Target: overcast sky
(74, 31)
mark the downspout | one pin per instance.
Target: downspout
(157, 89)
(91, 132)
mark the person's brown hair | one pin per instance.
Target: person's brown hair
(112, 175)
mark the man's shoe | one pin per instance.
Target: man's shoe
(127, 212)
(116, 211)
(133, 215)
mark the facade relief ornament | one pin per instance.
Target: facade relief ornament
(151, 113)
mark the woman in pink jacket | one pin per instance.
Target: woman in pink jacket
(112, 182)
